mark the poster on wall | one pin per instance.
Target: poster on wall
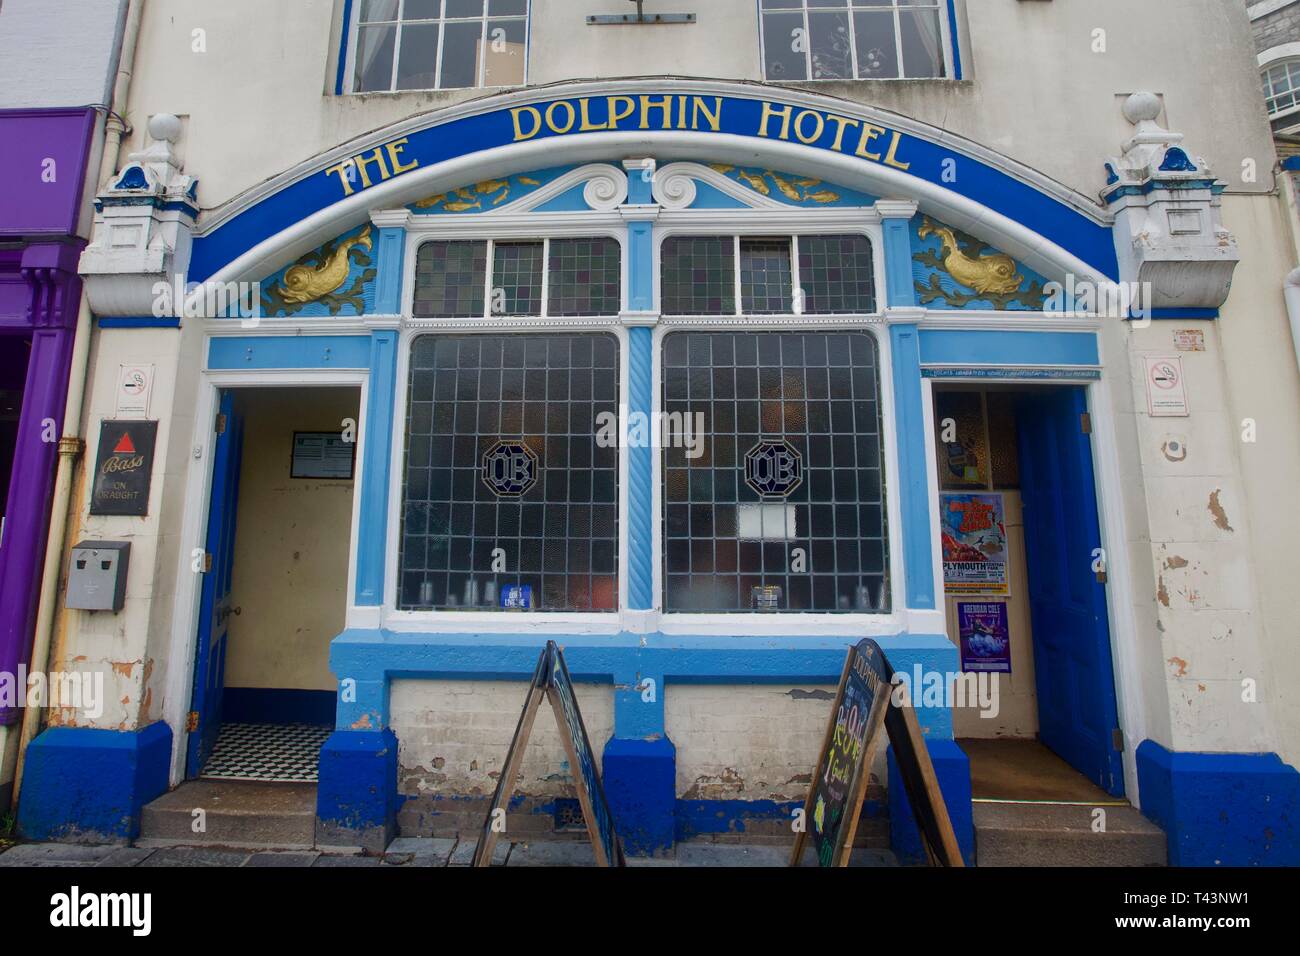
(974, 543)
(123, 468)
(985, 637)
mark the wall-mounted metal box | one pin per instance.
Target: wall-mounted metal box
(97, 575)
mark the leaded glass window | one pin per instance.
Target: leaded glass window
(835, 273)
(848, 39)
(508, 500)
(583, 277)
(699, 275)
(783, 509)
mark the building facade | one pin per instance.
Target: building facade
(427, 332)
(52, 123)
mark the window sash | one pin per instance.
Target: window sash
(852, 9)
(442, 21)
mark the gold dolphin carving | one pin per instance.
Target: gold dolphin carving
(303, 283)
(995, 274)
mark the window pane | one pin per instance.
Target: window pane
(517, 278)
(504, 52)
(784, 507)
(829, 43)
(482, 475)
(421, 9)
(460, 54)
(765, 279)
(508, 8)
(375, 10)
(464, 8)
(585, 277)
(783, 54)
(417, 66)
(450, 279)
(922, 43)
(374, 59)
(697, 275)
(836, 275)
(877, 49)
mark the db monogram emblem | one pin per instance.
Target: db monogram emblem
(773, 469)
(509, 469)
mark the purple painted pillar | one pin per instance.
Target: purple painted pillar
(50, 272)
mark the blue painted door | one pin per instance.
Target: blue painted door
(214, 607)
(1077, 714)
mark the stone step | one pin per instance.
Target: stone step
(1036, 834)
(237, 813)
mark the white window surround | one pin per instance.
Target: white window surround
(1257, 11)
(1291, 64)
(946, 31)
(1282, 51)
(353, 29)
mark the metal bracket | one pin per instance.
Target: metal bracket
(615, 19)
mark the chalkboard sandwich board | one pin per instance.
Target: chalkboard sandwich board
(863, 703)
(551, 681)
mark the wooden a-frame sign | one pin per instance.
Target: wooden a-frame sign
(551, 681)
(839, 785)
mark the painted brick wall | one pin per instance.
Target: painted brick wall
(748, 743)
(453, 736)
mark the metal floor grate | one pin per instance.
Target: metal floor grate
(273, 753)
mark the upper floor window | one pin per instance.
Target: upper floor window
(438, 44)
(571, 277)
(853, 39)
(781, 275)
(1282, 86)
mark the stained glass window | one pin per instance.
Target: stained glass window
(698, 275)
(585, 277)
(517, 278)
(508, 499)
(450, 279)
(781, 506)
(766, 283)
(847, 39)
(835, 273)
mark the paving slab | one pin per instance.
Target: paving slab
(127, 856)
(552, 854)
(344, 860)
(730, 854)
(194, 856)
(291, 858)
(463, 855)
(419, 851)
(54, 854)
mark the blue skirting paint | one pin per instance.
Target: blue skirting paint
(1222, 809)
(86, 785)
(952, 768)
(356, 798)
(640, 781)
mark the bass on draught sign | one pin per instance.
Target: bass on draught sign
(551, 681)
(839, 785)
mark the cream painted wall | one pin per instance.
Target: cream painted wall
(292, 539)
(259, 98)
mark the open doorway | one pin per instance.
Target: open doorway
(275, 583)
(1024, 585)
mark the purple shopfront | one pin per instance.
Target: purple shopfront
(42, 178)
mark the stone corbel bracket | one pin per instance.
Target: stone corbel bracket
(1169, 233)
(144, 218)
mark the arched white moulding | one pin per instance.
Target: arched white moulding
(674, 187)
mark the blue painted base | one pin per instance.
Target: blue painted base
(85, 785)
(1222, 809)
(356, 798)
(952, 768)
(640, 779)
